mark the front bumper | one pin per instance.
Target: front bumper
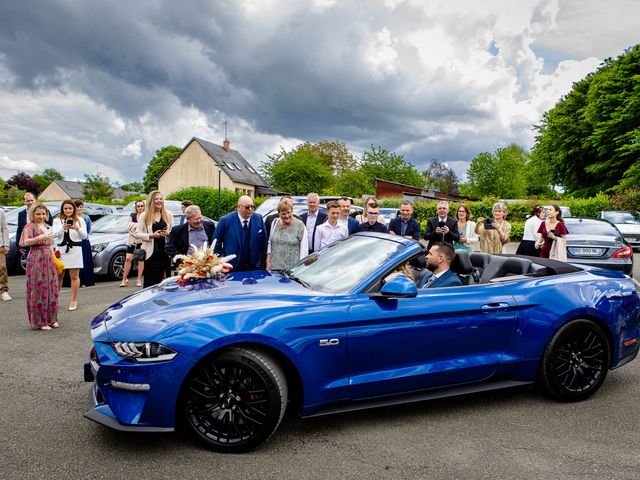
(128, 396)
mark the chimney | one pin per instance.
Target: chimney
(226, 144)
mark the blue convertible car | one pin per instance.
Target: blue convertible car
(344, 330)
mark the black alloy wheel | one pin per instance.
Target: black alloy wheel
(576, 361)
(235, 400)
(116, 266)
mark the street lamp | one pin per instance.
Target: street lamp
(219, 170)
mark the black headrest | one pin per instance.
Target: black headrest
(516, 266)
(418, 262)
(479, 259)
(462, 263)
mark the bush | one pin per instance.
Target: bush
(627, 199)
(207, 199)
(588, 207)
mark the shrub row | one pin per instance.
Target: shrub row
(207, 199)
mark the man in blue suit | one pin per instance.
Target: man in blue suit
(439, 261)
(405, 225)
(242, 233)
(345, 219)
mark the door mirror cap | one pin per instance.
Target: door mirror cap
(399, 286)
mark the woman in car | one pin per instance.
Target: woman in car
(552, 235)
(132, 244)
(288, 242)
(42, 276)
(494, 232)
(68, 232)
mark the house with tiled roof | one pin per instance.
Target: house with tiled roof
(71, 190)
(205, 164)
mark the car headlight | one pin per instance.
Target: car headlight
(144, 351)
(98, 247)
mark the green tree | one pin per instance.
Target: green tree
(97, 187)
(591, 139)
(132, 187)
(501, 175)
(300, 172)
(381, 163)
(352, 183)
(47, 176)
(156, 166)
(441, 178)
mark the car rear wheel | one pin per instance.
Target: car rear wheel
(575, 362)
(116, 266)
(235, 400)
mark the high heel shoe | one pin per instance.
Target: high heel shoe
(124, 283)
(138, 284)
(46, 328)
(73, 305)
(55, 325)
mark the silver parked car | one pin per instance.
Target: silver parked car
(627, 222)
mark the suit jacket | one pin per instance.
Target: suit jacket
(413, 227)
(178, 240)
(321, 217)
(228, 236)
(447, 279)
(432, 237)
(352, 225)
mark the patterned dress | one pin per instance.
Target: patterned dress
(42, 281)
(286, 244)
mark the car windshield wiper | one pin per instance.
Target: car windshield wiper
(288, 274)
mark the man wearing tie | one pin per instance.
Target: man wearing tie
(242, 233)
(439, 260)
(312, 218)
(442, 228)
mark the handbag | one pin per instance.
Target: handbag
(59, 265)
(139, 255)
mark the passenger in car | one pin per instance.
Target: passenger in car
(439, 260)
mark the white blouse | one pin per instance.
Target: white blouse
(531, 227)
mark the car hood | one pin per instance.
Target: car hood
(97, 238)
(628, 228)
(146, 313)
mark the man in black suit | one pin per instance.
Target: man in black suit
(442, 228)
(194, 231)
(405, 225)
(313, 218)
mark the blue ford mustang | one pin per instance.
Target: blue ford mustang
(344, 330)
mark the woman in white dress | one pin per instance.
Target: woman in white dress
(68, 232)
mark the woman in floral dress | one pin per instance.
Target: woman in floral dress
(42, 276)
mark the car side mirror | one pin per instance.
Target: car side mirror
(399, 286)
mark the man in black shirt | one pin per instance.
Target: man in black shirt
(372, 224)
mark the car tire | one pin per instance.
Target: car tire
(116, 266)
(21, 263)
(575, 362)
(235, 400)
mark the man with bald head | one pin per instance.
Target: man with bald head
(243, 234)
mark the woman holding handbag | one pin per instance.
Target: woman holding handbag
(132, 244)
(42, 276)
(552, 235)
(68, 232)
(153, 228)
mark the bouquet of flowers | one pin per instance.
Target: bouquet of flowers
(202, 263)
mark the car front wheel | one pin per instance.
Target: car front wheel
(575, 362)
(116, 266)
(235, 400)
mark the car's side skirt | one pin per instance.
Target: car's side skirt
(416, 397)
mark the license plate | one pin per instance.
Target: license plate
(586, 251)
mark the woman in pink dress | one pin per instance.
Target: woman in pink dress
(551, 230)
(42, 276)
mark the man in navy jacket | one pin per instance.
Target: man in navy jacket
(439, 261)
(242, 233)
(345, 219)
(405, 225)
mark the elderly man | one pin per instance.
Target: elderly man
(313, 218)
(345, 219)
(405, 225)
(195, 231)
(439, 260)
(5, 242)
(242, 233)
(442, 228)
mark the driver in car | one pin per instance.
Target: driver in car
(439, 260)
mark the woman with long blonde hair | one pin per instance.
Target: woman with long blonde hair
(152, 229)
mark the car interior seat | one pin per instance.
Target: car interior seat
(463, 267)
(505, 266)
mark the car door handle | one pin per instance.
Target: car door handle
(495, 307)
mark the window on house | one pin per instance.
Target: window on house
(237, 166)
(230, 165)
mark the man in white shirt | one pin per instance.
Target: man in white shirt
(331, 231)
(313, 218)
(350, 223)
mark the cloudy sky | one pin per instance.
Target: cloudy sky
(92, 86)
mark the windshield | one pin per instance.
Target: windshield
(622, 217)
(111, 224)
(343, 265)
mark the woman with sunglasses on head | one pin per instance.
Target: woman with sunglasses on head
(132, 244)
(68, 232)
(153, 228)
(42, 276)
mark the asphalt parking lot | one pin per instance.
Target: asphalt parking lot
(509, 434)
